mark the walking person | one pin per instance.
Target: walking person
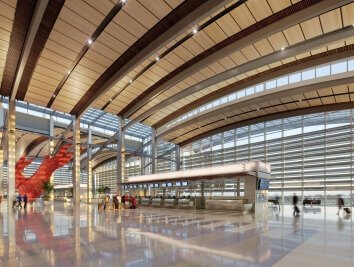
(133, 202)
(123, 201)
(14, 200)
(19, 201)
(25, 199)
(106, 202)
(277, 202)
(296, 211)
(119, 201)
(115, 202)
(340, 203)
(127, 201)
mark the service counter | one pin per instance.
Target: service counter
(190, 203)
(183, 203)
(145, 201)
(241, 205)
(170, 202)
(157, 202)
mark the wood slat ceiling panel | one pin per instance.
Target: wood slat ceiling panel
(291, 36)
(152, 120)
(127, 26)
(7, 13)
(76, 22)
(180, 55)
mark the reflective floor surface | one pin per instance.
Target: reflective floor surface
(58, 235)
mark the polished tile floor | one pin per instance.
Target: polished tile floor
(58, 235)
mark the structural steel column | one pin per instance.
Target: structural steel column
(50, 151)
(153, 151)
(76, 162)
(89, 165)
(178, 157)
(11, 152)
(142, 163)
(1, 168)
(120, 154)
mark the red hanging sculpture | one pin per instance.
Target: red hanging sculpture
(33, 186)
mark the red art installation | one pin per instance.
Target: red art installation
(33, 186)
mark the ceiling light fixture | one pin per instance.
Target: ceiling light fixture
(157, 58)
(54, 96)
(283, 48)
(130, 81)
(110, 100)
(68, 72)
(89, 41)
(195, 31)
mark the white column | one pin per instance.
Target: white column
(11, 152)
(1, 168)
(178, 157)
(89, 166)
(120, 155)
(76, 162)
(153, 151)
(50, 151)
(142, 162)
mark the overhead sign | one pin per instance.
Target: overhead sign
(224, 170)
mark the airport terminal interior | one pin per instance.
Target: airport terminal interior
(176, 133)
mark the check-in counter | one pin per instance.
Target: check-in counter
(183, 203)
(170, 202)
(145, 201)
(190, 203)
(228, 204)
(157, 202)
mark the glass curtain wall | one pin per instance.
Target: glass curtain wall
(311, 155)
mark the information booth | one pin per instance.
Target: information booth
(240, 187)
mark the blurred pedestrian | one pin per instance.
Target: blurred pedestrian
(19, 201)
(25, 199)
(296, 211)
(340, 203)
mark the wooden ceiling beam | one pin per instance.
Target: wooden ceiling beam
(46, 25)
(279, 21)
(182, 18)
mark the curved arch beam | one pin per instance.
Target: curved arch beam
(181, 18)
(268, 95)
(49, 18)
(285, 69)
(294, 50)
(28, 16)
(281, 20)
(270, 117)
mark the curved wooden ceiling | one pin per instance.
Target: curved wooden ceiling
(151, 61)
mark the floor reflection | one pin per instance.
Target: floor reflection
(60, 235)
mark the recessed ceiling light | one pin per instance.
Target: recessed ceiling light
(130, 81)
(123, 1)
(283, 48)
(68, 72)
(54, 96)
(157, 58)
(89, 41)
(299, 100)
(195, 31)
(110, 100)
